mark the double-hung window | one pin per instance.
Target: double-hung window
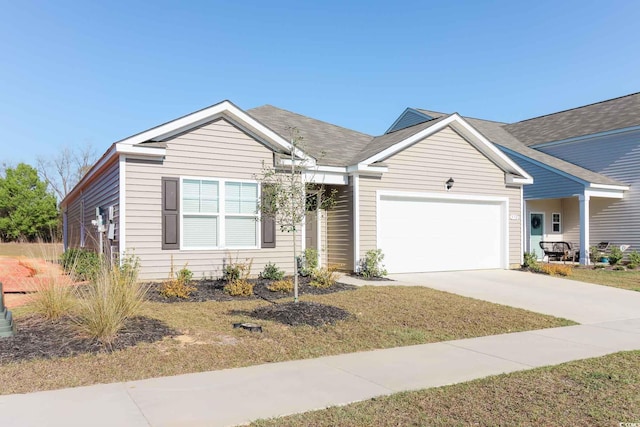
(555, 222)
(201, 213)
(219, 214)
(241, 203)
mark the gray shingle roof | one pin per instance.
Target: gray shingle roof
(381, 143)
(329, 144)
(496, 133)
(602, 116)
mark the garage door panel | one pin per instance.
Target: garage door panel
(418, 234)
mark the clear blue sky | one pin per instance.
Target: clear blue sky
(77, 72)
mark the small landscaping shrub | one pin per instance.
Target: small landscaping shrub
(615, 256)
(529, 260)
(239, 288)
(235, 270)
(324, 277)
(634, 257)
(619, 268)
(372, 265)
(598, 266)
(555, 269)
(114, 296)
(632, 266)
(594, 254)
(179, 284)
(83, 264)
(285, 286)
(272, 272)
(309, 262)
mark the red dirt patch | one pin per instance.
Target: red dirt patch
(20, 275)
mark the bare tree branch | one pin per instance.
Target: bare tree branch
(65, 170)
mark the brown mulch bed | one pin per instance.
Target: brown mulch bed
(301, 313)
(40, 338)
(212, 290)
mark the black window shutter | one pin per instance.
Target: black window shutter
(268, 225)
(170, 213)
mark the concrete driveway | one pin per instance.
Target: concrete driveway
(582, 302)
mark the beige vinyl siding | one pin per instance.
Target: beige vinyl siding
(216, 150)
(101, 192)
(425, 167)
(571, 220)
(616, 156)
(340, 228)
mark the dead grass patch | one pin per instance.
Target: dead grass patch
(28, 249)
(383, 317)
(593, 392)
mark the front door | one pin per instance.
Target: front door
(536, 230)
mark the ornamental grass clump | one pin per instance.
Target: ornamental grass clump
(53, 295)
(105, 304)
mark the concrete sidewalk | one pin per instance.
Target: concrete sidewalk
(237, 396)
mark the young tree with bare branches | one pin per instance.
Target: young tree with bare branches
(66, 169)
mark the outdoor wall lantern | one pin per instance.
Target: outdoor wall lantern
(449, 184)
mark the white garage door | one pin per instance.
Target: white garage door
(419, 234)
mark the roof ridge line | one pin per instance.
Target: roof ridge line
(311, 118)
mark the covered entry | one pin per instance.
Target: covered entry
(425, 232)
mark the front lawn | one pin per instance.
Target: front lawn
(603, 391)
(382, 317)
(629, 279)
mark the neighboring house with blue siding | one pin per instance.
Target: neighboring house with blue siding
(585, 163)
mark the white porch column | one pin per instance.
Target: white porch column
(584, 229)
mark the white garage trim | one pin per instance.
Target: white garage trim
(502, 202)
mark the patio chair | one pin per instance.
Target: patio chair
(559, 251)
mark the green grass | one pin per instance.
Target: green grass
(629, 279)
(602, 391)
(383, 317)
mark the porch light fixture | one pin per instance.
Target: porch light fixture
(449, 184)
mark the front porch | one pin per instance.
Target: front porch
(582, 220)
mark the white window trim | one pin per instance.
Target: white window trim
(559, 222)
(221, 215)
